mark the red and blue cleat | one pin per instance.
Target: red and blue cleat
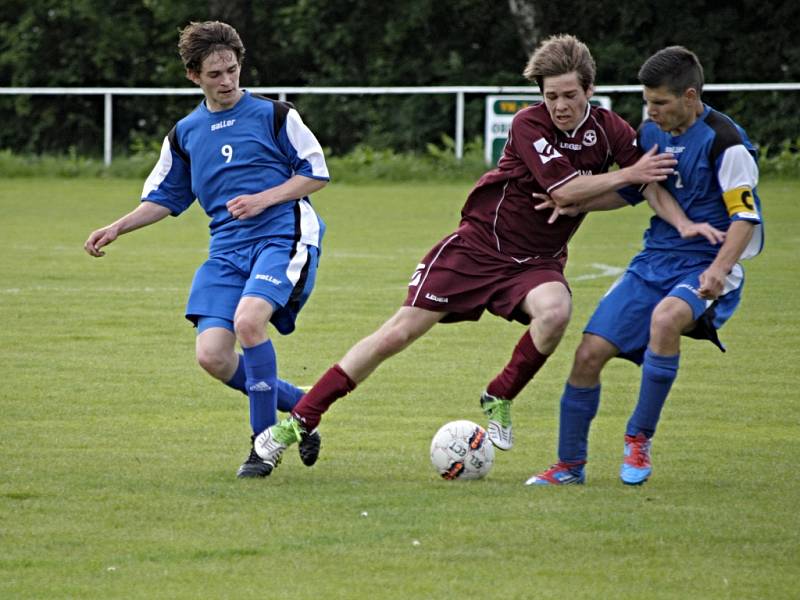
(636, 467)
(560, 474)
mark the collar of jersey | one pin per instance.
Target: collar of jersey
(572, 133)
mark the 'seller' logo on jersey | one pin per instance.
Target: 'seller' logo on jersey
(546, 150)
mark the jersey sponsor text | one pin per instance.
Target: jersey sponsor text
(221, 124)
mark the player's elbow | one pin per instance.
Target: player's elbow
(319, 184)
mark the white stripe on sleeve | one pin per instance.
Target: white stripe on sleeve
(737, 169)
(306, 144)
(160, 171)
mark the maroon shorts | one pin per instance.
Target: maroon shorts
(458, 279)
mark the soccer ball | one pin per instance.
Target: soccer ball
(462, 450)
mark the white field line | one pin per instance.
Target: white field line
(605, 271)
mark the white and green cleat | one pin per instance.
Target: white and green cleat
(270, 443)
(499, 412)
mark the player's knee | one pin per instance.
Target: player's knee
(211, 360)
(588, 362)
(553, 321)
(248, 328)
(664, 323)
(392, 340)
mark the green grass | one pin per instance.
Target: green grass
(118, 453)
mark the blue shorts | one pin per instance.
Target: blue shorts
(281, 272)
(623, 315)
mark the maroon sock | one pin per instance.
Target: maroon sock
(334, 384)
(525, 362)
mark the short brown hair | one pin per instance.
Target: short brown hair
(559, 55)
(675, 67)
(199, 40)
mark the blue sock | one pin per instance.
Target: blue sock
(239, 378)
(658, 373)
(260, 365)
(288, 394)
(578, 408)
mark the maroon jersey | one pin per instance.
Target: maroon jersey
(538, 157)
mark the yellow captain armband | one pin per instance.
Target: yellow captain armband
(739, 200)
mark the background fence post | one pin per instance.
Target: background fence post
(459, 125)
(107, 121)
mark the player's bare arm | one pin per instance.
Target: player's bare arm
(145, 214)
(250, 205)
(650, 168)
(666, 207)
(712, 280)
(606, 201)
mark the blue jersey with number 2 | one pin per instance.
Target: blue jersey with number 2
(714, 181)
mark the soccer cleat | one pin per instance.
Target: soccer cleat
(270, 443)
(499, 412)
(636, 467)
(309, 446)
(560, 474)
(254, 466)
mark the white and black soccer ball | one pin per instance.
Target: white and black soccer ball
(462, 450)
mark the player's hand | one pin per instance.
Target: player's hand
(652, 167)
(246, 206)
(99, 238)
(570, 210)
(711, 233)
(712, 282)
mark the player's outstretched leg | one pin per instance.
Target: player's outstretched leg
(636, 467)
(254, 465)
(499, 412)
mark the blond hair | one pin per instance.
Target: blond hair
(559, 55)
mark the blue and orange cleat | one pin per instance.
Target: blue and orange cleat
(636, 467)
(560, 474)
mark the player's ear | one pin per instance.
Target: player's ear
(589, 92)
(193, 76)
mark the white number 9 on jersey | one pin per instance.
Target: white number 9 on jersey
(227, 152)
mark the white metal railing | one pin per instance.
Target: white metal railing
(282, 92)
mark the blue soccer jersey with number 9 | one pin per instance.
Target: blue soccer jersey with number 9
(216, 156)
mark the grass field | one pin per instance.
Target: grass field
(118, 453)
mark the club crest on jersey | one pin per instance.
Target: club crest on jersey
(545, 150)
(221, 124)
(590, 138)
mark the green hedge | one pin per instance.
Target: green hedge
(363, 164)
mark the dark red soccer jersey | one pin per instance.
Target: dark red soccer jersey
(538, 157)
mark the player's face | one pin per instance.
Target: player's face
(670, 112)
(219, 80)
(566, 100)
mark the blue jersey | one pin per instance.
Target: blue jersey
(217, 156)
(714, 181)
